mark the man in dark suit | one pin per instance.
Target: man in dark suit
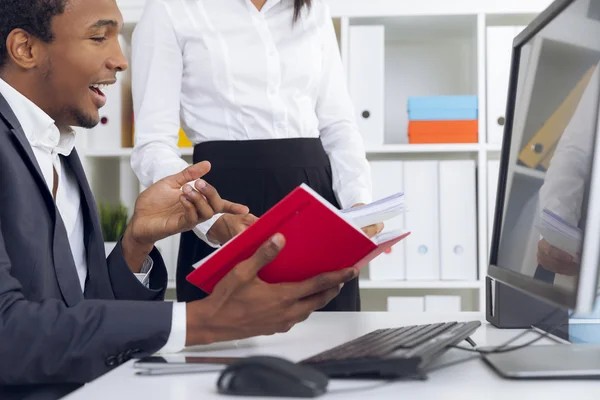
(68, 314)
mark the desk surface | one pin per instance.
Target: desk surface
(469, 380)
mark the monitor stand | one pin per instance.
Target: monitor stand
(548, 361)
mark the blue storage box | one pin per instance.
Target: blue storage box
(441, 114)
(442, 102)
(442, 108)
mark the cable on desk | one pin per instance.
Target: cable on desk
(503, 348)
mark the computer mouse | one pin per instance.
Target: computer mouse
(271, 376)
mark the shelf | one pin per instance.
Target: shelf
(125, 152)
(425, 148)
(369, 284)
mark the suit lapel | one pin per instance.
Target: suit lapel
(25, 148)
(66, 272)
(97, 284)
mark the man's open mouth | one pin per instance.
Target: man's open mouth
(97, 88)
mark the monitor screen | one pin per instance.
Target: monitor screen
(541, 244)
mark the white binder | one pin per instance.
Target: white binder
(493, 172)
(422, 220)
(406, 304)
(366, 81)
(387, 177)
(458, 229)
(443, 304)
(498, 63)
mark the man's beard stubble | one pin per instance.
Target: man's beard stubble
(81, 119)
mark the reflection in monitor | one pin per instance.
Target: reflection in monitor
(546, 235)
(547, 222)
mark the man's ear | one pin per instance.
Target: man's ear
(24, 49)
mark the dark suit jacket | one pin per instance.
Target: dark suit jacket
(53, 337)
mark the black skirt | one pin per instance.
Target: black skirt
(258, 174)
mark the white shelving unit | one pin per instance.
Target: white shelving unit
(432, 47)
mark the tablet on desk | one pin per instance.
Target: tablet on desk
(180, 364)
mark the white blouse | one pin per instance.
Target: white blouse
(223, 70)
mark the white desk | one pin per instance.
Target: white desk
(470, 380)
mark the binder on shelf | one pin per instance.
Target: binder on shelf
(548, 136)
(367, 81)
(443, 304)
(458, 226)
(183, 139)
(319, 238)
(405, 304)
(387, 177)
(422, 246)
(499, 47)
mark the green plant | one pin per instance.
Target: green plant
(113, 221)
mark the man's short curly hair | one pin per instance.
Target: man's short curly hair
(33, 16)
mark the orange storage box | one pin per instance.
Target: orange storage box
(460, 131)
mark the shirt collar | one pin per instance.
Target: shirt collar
(38, 126)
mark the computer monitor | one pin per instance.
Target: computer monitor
(546, 237)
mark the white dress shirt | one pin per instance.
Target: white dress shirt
(48, 144)
(225, 71)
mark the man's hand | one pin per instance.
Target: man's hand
(243, 306)
(556, 260)
(371, 230)
(164, 209)
(229, 226)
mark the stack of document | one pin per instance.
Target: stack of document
(560, 233)
(378, 211)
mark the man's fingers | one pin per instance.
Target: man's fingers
(323, 282)
(189, 174)
(211, 195)
(247, 270)
(300, 310)
(233, 208)
(191, 215)
(215, 201)
(263, 256)
(205, 211)
(315, 302)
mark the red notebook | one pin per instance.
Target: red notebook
(318, 240)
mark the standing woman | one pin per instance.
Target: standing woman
(259, 88)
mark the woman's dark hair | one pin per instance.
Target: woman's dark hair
(298, 5)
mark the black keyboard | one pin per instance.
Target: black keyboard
(392, 353)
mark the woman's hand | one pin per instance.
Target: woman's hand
(371, 230)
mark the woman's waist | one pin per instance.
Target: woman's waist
(263, 153)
